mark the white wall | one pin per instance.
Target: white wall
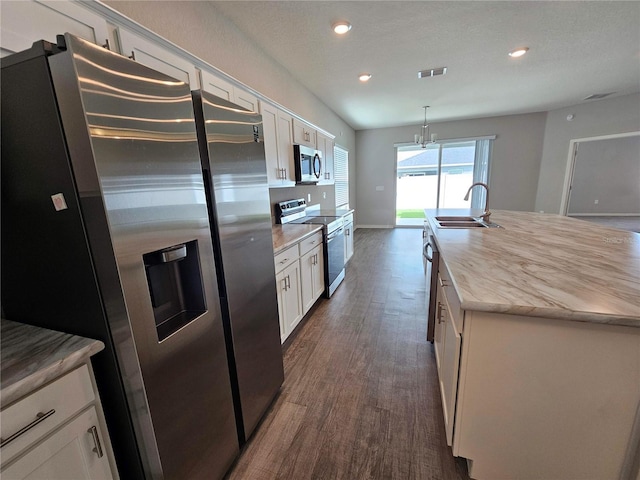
(515, 164)
(592, 119)
(202, 30)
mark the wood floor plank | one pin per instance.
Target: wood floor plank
(361, 396)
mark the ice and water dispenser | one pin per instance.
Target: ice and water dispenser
(175, 286)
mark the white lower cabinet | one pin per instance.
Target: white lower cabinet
(448, 344)
(300, 281)
(289, 299)
(312, 273)
(348, 237)
(57, 432)
(74, 452)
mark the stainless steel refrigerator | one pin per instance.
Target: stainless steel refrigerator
(105, 233)
(234, 167)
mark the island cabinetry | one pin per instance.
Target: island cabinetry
(278, 146)
(448, 343)
(546, 398)
(312, 270)
(304, 134)
(55, 432)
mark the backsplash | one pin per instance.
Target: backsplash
(303, 191)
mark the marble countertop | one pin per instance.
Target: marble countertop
(31, 357)
(286, 235)
(544, 265)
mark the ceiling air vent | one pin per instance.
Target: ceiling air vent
(596, 96)
(432, 72)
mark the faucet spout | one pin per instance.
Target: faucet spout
(486, 214)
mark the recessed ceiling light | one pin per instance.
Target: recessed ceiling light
(364, 77)
(518, 52)
(341, 27)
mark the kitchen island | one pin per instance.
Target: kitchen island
(538, 346)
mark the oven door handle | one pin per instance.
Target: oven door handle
(335, 233)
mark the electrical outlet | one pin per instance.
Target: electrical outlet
(595, 201)
(324, 194)
(308, 198)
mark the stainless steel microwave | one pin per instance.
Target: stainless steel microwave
(308, 163)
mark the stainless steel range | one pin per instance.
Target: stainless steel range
(295, 211)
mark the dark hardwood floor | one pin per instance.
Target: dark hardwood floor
(360, 398)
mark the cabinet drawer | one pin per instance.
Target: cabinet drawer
(348, 218)
(287, 257)
(44, 410)
(310, 243)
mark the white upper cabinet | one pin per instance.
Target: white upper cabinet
(223, 88)
(278, 146)
(325, 146)
(28, 21)
(153, 55)
(304, 134)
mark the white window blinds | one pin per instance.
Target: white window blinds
(341, 175)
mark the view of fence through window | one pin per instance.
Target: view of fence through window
(449, 166)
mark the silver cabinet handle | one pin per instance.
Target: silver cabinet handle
(284, 261)
(133, 55)
(40, 417)
(288, 282)
(96, 441)
(284, 284)
(443, 282)
(440, 310)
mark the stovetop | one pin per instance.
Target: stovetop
(295, 211)
(331, 223)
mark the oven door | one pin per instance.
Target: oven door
(335, 260)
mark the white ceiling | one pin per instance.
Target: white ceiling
(576, 49)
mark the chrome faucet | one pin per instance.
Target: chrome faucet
(486, 214)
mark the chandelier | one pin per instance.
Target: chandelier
(424, 138)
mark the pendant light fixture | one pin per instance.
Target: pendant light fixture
(424, 138)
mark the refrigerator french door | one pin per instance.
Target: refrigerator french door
(235, 172)
(105, 234)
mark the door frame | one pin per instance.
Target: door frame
(571, 163)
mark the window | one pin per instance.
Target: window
(341, 175)
(439, 176)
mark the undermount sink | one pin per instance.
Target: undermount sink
(464, 222)
(456, 219)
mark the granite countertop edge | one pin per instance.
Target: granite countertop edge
(34, 356)
(471, 293)
(294, 234)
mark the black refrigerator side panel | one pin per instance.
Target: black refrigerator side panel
(48, 277)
